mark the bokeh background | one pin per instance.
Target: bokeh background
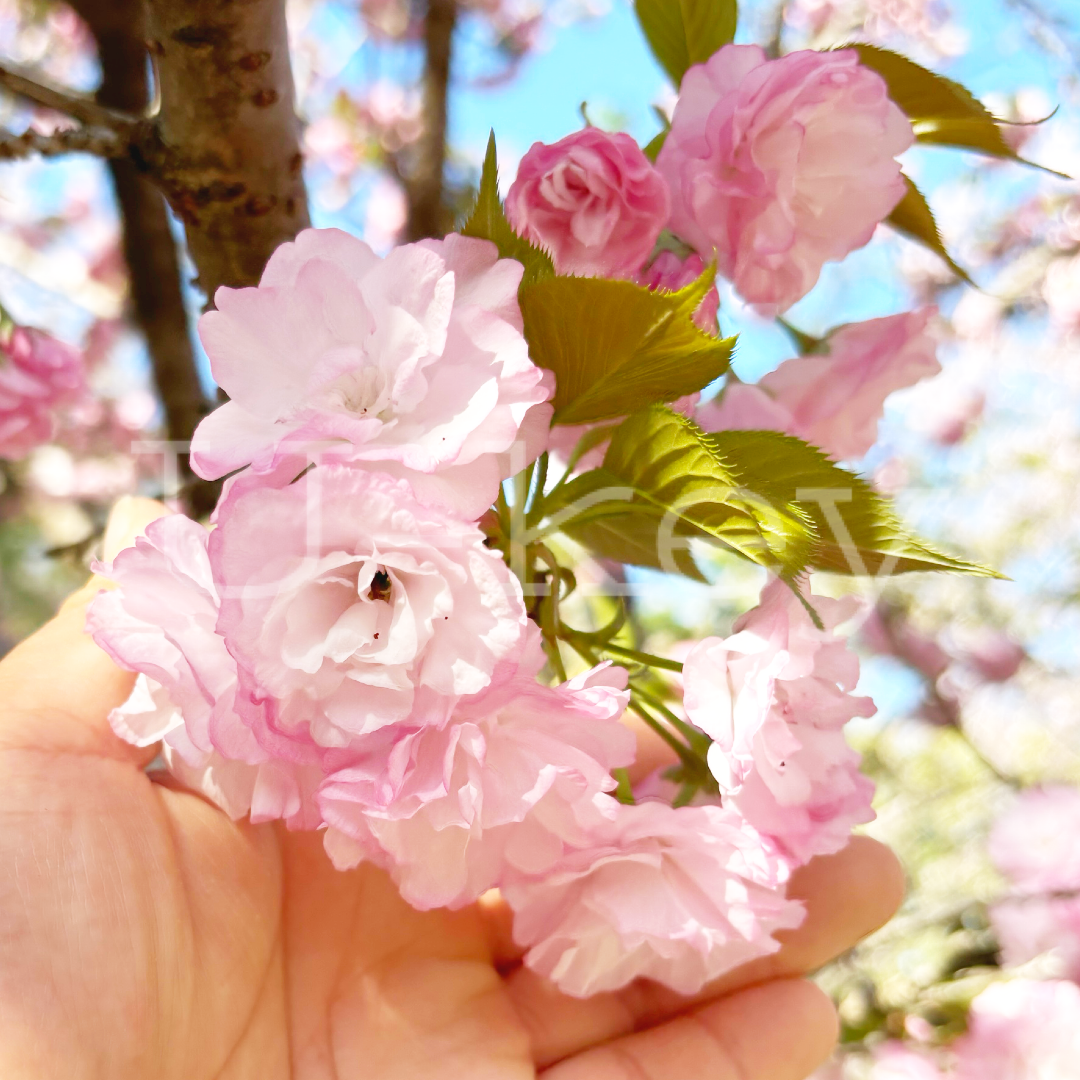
(977, 681)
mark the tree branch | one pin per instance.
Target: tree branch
(157, 296)
(42, 91)
(425, 188)
(229, 158)
(101, 142)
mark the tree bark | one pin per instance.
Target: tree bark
(229, 156)
(150, 249)
(425, 187)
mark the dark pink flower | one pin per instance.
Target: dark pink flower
(593, 200)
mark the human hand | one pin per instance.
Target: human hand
(145, 935)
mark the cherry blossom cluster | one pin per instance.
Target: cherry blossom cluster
(39, 376)
(1017, 1030)
(345, 648)
(1035, 845)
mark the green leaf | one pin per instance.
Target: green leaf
(943, 112)
(771, 498)
(857, 530)
(633, 537)
(685, 32)
(653, 147)
(487, 221)
(661, 484)
(615, 346)
(913, 217)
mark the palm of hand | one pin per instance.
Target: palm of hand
(143, 934)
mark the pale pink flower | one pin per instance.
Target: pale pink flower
(680, 896)
(993, 655)
(836, 400)
(774, 698)
(593, 200)
(38, 374)
(348, 605)
(1021, 1030)
(1035, 843)
(1038, 925)
(779, 166)
(505, 786)
(744, 407)
(161, 622)
(668, 271)
(414, 364)
(891, 633)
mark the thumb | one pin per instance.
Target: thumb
(57, 687)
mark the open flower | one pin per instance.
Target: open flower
(593, 200)
(680, 896)
(161, 622)
(778, 166)
(1035, 843)
(414, 364)
(834, 399)
(367, 608)
(1021, 1030)
(38, 374)
(774, 698)
(505, 785)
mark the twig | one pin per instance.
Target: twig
(42, 91)
(150, 250)
(101, 142)
(425, 188)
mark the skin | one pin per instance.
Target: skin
(144, 934)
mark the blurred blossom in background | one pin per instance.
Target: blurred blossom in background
(975, 747)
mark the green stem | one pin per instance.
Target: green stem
(624, 792)
(535, 509)
(696, 739)
(647, 659)
(686, 755)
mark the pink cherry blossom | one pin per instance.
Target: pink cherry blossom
(837, 399)
(774, 698)
(993, 655)
(161, 622)
(1035, 843)
(593, 200)
(778, 166)
(1035, 926)
(1021, 1030)
(680, 896)
(349, 606)
(38, 374)
(414, 364)
(668, 271)
(506, 785)
(744, 407)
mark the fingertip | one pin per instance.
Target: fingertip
(128, 520)
(866, 875)
(781, 1030)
